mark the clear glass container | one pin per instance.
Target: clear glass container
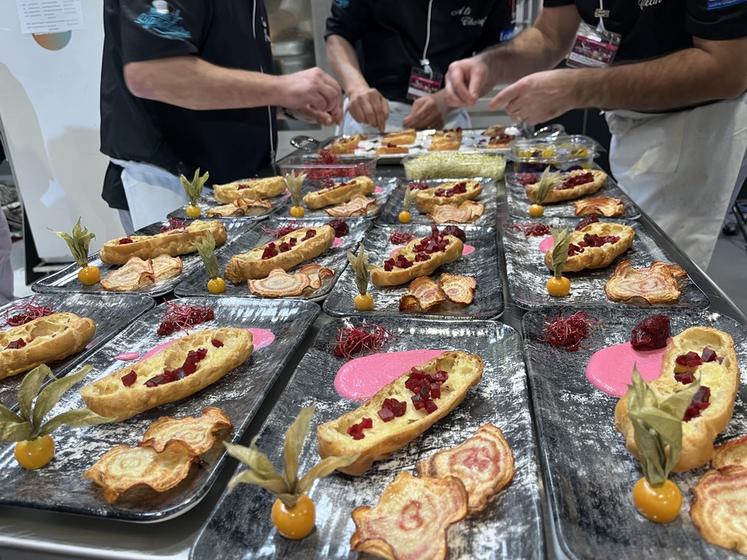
(560, 153)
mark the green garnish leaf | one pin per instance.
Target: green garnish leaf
(294, 440)
(294, 182)
(51, 394)
(15, 431)
(361, 267)
(78, 242)
(546, 183)
(206, 250)
(559, 255)
(409, 198)
(30, 388)
(193, 188)
(76, 418)
(7, 415)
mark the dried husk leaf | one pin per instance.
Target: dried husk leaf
(409, 198)
(546, 183)
(7, 415)
(294, 440)
(30, 388)
(15, 431)
(361, 267)
(193, 188)
(50, 395)
(275, 486)
(206, 250)
(76, 418)
(323, 468)
(561, 239)
(253, 458)
(78, 242)
(294, 182)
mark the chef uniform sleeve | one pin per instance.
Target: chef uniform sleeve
(348, 19)
(498, 23)
(150, 32)
(557, 3)
(717, 20)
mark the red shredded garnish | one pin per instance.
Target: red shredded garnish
(23, 313)
(180, 317)
(401, 237)
(568, 332)
(354, 340)
(532, 229)
(174, 224)
(328, 156)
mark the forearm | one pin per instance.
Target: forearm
(344, 61)
(193, 83)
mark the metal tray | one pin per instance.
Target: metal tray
(527, 273)
(518, 203)
(207, 201)
(110, 312)
(195, 284)
(511, 526)
(390, 213)
(482, 264)
(60, 486)
(66, 280)
(589, 472)
(384, 187)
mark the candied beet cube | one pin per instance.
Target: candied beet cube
(367, 423)
(689, 360)
(386, 414)
(217, 343)
(430, 406)
(708, 355)
(129, 379)
(417, 402)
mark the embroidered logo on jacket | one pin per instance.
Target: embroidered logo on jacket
(162, 21)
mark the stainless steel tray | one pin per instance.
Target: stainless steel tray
(395, 204)
(588, 470)
(511, 526)
(207, 201)
(110, 312)
(518, 203)
(482, 265)
(66, 280)
(527, 273)
(60, 486)
(195, 284)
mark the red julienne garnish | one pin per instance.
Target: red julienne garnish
(23, 313)
(188, 368)
(568, 332)
(591, 219)
(401, 237)
(328, 156)
(180, 317)
(418, 186)
(354, 340)
(532, 229)
(356, 430)
(651, 333)
(576, 180)
(459, 188)
(174, 224)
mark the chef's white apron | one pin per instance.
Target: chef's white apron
(6, 270)
(456, 118)
(683, 169)
(151, 192)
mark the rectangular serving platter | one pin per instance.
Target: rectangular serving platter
(208, 201)
(66, 280)
(518, 203)
(60, 486)
(527, 273)
(510, 527)
(482, 264)
(390, 213)
(384, 187)
(589, 472)
(111, 313)
(195, 284)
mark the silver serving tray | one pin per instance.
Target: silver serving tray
(482, 264)
(589, 472)
(66, 280)
(110, 312)
(195, 284)
(60, 486)
(527, 273)
(511, 526)
(208, 201)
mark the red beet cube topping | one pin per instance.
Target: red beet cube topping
(126, 240)
(391, 409)
(709, 355)
(459, 188)
(26, 312)
(434, 243)
(425, 388)
(181, 317)
(287, 245)
(592, 219)
(341, 227)
(270, 251)
(129, 379)
(651, 333)
(576, 180)
(401, 237)
(685, 366)
(700, 402)
(188, 368)
(402, 261)
(591, 240)
(356, 430)
(309, 234)
(418, 186)
(174, 224)
(389, 265)
(455, 231)
(526, 178)
(217, 343)
(16, 344)
(421, 257)
(285, 230)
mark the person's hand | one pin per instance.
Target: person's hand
(466, 81)
(311, 94)
(538, 97)
(428, 111)
(368, 106)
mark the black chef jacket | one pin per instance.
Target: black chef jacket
(652, 28)
(389, 35)
(231, 144)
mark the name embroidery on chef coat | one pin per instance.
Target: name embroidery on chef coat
(466, 17)
(162, 21)
(643, 4)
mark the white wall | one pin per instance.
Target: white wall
(49, 109)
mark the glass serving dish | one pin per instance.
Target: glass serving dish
(454, 165)
(320, 168)
(560, 153)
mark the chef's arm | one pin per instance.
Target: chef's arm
(193, 83)
(710, 70)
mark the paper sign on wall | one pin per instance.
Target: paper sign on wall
(49, 16)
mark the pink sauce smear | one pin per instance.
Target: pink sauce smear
(610, 369)
(378, 190)
(261, 338)
(546, 244)
(361, 378)
(337, 242)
